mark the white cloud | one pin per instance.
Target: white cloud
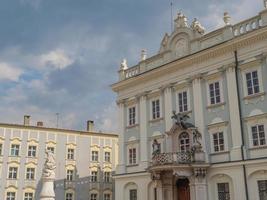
(9, 72)
(58, 59)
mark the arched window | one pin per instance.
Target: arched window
(184, 142)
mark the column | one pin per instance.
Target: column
(121, 120)
(234, 114)
(199, 187)
(143, 132)
(198, 110)
(167, 115)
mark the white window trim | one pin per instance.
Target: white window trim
(151, 108)
(222, 127)
(136, 115)
(249, 70)
(187, 90)
(131, 146)
(210, 81)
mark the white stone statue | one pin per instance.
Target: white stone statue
(196, 26)
(48, 177)
(124, 64)
(226, 18)
(143, 54)
(265, 3)
(181, 21)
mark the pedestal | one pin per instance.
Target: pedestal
(47, 192)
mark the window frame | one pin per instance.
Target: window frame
(224, 191)
(182, 91)
(70, 155)
(154, 113)
(133, 194)
(132, 120)
(10, 198)
(27, 197)
(14, 151)
(69, 198)
(258, 135)
(31, 151)
(95, 156)
(132, 156)
(12, 173)
(259, 188)
(30, 173)
(221, 147)
(94, 176)
(105, 156)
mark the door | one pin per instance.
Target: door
(183, 190)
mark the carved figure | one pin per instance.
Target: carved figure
(164, 43)
(181, 20)
(196, 26)
(49, 166)
(226, 18)
(143, 54)
(124, 64)
(197, 137)
(156, 147)
(180, 119)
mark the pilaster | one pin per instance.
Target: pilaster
(167, 115)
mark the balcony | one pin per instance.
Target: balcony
(172, 158)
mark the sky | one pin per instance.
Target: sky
(61, 56)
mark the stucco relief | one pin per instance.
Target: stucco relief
(181, 47)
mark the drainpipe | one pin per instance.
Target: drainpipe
(241, 125)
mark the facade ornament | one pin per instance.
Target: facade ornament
(156, 147)
(164, 42)
(180, 21)
(124, 64)
(197, 27)
(48, 177)
(226, 18)
(200, 172)
(143, 54)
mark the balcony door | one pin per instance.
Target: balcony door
(184, 142)
(183, 189)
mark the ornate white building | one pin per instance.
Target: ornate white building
(215, 148)
(85, 162)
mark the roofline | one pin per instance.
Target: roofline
(7, 125)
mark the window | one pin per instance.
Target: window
(32, 151)
(94, 176)
(107, 177)
(95, 156)
(107, 156)
(223, 191)
(28, 196)
(262, 185)
(12, 172)
(93, 196)
(70, 155)
(155, 109)
(258, 135)
(70, 174)
(107, 197)
(132, 115)
(214, 91)
(51, 149)
(10, 196)
(1, 149)
(218, 142)
(133, 194)
(14, 150)
(182, 101)
(184, 142)
(30, 173)
(252, 82)
(69, 196)
(132, 156)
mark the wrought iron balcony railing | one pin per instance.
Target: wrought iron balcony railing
(172, 158)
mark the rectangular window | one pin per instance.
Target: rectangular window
(1, 149)
(94, 176)
(132, 116)
(214, 91)
(95, 156)
(107, 177)
(182, 101)
(223, 191)
(107, 197)
(12, 172)
(14, 150)
(252, 82)
(93, 196)
(30, 173)
(133, 194)
(156, 109)
(262, 185)
(70, 174)
(28, 196)
(51, 149)
(10, 196)
(32, 151)
(258, 135)
(70, 155)
(107, 156)
(132, 156)
(218, 142)
(69, 196)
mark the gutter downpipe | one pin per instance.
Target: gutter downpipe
(241, 125)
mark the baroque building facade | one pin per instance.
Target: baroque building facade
(85, 161)
(213, 147)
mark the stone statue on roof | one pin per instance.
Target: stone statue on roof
(124, 64)
(197, 27)
(181, 20)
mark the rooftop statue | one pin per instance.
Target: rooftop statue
(124, 64)
(265, 3)
(226, 18)
(196, 26)
(181, 21)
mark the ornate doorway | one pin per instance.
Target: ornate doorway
(183, 189)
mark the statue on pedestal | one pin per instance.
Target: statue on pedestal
(156, 147)
(48, 177)
(197, 27)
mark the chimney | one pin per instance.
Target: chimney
(27, 120)
(40, 124)
(90, 125)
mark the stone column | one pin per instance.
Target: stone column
(234, 114)
(200, 184)
(121, 120)
(143, 132)
(167, 115)
(198, 110)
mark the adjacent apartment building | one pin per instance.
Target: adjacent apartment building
(214, 146)
(85, 161)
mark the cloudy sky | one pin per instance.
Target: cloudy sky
(61, 56)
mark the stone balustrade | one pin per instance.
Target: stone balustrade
(172, 158)
(132, 71)
(247, 26)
